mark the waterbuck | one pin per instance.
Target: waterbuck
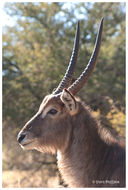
(88, 155)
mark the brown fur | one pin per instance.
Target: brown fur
(92, 160)
(88, 154)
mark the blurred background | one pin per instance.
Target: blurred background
(37, 45)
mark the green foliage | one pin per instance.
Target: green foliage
(37, 49)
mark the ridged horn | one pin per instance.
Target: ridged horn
(83, 78)
(65, 82)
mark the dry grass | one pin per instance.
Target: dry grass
(27, 178)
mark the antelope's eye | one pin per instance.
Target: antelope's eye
(52, 111)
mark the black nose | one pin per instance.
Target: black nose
(20, 137)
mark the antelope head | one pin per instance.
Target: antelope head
(49, 129)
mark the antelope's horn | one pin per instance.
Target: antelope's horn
(83, 78)
(70, 70)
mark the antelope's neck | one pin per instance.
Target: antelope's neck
(77, 162)
(90, 146)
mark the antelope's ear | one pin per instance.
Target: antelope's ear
(69, 101)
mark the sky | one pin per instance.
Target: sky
(6, 19)
(9, 21)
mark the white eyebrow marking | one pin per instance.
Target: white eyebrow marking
(45, 111)
(44, 102)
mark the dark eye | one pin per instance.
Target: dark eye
(52, 111)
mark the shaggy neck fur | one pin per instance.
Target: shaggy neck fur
(92, 154)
